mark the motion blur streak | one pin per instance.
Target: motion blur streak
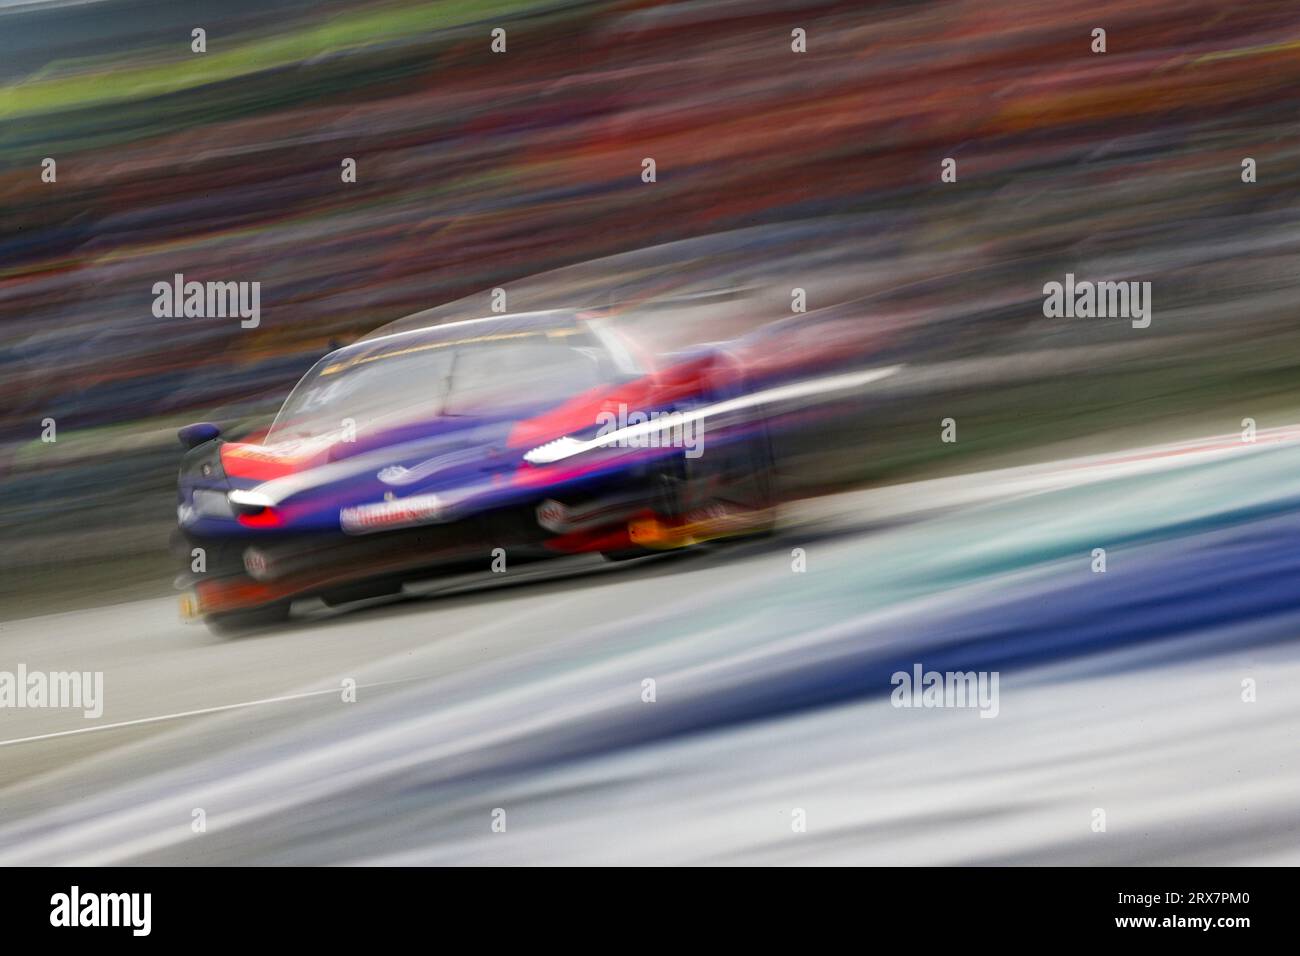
(777, 173)
(772, 694)
(476, 170)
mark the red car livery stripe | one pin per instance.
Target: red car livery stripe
(257, 462)
(651, 392)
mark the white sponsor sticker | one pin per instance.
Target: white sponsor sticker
(382, 515)
(552, 515)
(255, 564)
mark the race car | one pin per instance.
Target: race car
(472, 445)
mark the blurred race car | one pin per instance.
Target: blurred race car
(473, 445)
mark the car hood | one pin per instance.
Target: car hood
(308, 486)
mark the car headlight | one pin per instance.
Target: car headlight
(212, 504)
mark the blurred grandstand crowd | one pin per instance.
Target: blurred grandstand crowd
(522, 170)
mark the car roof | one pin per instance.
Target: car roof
(514, 321)
(556, 323)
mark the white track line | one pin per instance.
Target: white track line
(201, 711)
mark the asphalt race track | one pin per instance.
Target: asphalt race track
(1119, 691)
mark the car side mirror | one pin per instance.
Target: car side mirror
(192, 436)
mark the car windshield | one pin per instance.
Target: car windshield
(406, 383)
